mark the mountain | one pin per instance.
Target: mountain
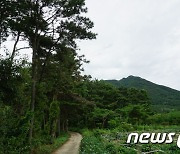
(163, 98)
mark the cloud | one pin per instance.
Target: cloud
(135, 38)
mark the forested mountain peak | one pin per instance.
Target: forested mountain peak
(165, 97)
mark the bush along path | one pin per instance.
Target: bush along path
(71, 146)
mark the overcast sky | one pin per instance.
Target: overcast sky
(135, 37)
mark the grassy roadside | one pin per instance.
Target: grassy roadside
(100, 141)
(47, 149)
(93, 143)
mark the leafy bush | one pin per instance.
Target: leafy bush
(14, 131)
(111, 148)
(170, 118)
(92, 144)
(47, 149)
(125, 150)
(125, 127)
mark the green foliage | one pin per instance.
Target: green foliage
(125, 127)
(95, 142)
(12, 82)
(101, 116)
(171, 118)
(114, 141)
(39, 101)
(54, 110)
(162, 98)
(115, 105)
(122, 150)
(111, 148)
(51, 29)
(92, 144)
(46, 149)
(113, 123)
(136, 114)
(13, 130)
(14, 115)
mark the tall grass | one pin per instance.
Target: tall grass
(49, 148)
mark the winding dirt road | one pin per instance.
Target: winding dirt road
(71, 146)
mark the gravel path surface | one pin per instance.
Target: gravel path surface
(71, 146)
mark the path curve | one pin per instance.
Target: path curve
(71, 146)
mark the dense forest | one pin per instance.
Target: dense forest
(163, 98)
(37, 96)
(42, 98)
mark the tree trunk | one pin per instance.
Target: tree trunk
(44, 121)
(35, 43)
(15, 45)
(59, 124)
(53, 133)
(67, 123)
(63, 126)
(103, 123)
(34, 81)
(33, 94)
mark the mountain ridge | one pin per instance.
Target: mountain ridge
(161, 96)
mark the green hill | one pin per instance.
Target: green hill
(163, 98)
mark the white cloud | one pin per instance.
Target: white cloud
(136, 37)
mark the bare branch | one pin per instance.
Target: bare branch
(153, 151)
(50, 17)
(23, 48)
(14, 48)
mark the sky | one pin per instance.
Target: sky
(135, 37)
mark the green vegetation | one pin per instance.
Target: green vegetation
(41, 99)
(114, 142)
(119, 111)
(163, 98)
(38, 97)
(170, 118)
(114, 105)
(92, 144)
(47, 149)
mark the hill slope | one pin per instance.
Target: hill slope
(162, 97)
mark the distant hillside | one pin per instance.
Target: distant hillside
(163, 98)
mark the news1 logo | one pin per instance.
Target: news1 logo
(154, 138)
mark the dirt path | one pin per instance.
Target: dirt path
(71, 146)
